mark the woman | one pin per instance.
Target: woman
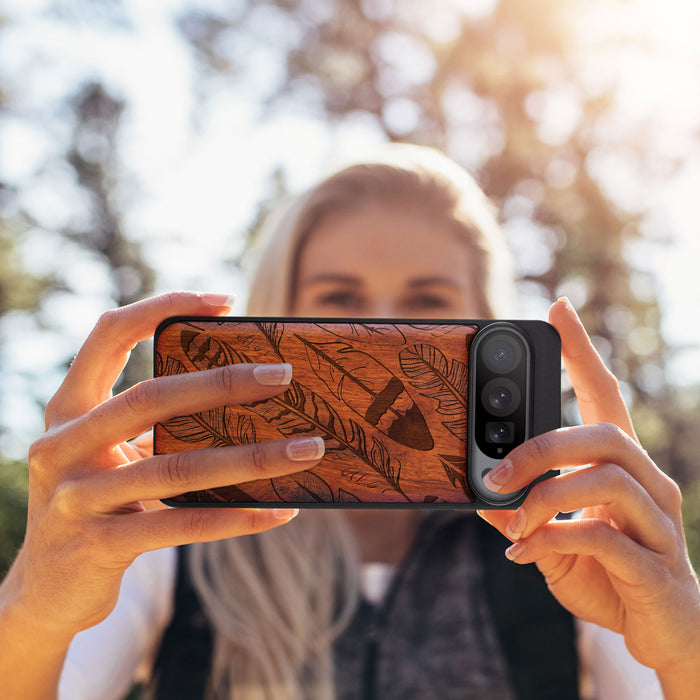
(412, 236)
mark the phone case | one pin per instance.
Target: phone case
(390, 399)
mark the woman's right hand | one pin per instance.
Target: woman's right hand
(88, 516)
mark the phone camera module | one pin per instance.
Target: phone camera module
(502, 353)
(500, 432)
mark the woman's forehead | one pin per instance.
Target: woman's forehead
(381, 236)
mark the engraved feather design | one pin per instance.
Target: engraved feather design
(385, 334)
(430, 373)
(301, 411)
(373, 392)
(365, 388)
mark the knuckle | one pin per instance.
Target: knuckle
(37, 457)
(141, 397)
(539, 448)
(257, 459)
(67, 498)
(108, 322)
(225, 379)
(258, 520)
(610, 432)
(617, 478)
(177, 470)
(110, 325)
(542, 495)
(43, 455)
(601, 533)
(196, 525)
(674, 494)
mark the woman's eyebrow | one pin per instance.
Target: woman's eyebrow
(332, 277)
(433, 281)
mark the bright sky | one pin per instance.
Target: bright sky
(194, 189)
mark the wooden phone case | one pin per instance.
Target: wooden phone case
(388, 398)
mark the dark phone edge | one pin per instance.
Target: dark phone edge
(547, 354)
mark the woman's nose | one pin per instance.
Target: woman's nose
(381, 308)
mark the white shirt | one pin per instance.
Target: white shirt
(104, 661)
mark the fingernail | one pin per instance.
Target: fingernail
(517, 525)
(305, 449)
(285, 514)
(273, 375)
(515, 550)
(218, 300)
(569, 306)
(499, 476)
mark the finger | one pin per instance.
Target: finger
(165, 476)
(143, 444)
(101, 359)
(614, 550)
(606, 486)
(497, 518)
(141, 532)
(583, 444)
(157, 400)
(596, 388)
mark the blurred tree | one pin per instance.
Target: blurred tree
(502, 88)
(93, 154)
(18, 291)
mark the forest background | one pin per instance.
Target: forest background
(140, 143)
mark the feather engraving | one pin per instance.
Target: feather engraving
(216, 428)
(430, 373)
(363, 387)
(171, 365)
(455, 467)
(204, 351)
(385, 334)
(367, 387)
(287, 487)
(273, 332)
(301, 411)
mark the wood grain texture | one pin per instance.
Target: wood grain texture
(389, 400)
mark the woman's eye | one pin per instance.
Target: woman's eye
(341, 300)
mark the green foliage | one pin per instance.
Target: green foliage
(14, 483)
(18, 289)
(691, 521)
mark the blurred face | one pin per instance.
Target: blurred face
(385, 261)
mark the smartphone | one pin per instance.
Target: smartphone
(413, 413)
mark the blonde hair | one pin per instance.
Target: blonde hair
(405, 174)
(277, 600)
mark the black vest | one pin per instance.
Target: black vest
(394, 651)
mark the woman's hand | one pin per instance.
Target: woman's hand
(623, 564)
(88, 514)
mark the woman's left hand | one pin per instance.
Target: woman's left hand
(623, 564)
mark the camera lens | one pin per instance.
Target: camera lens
(499, 432)
(502, 353)
(500, 396)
